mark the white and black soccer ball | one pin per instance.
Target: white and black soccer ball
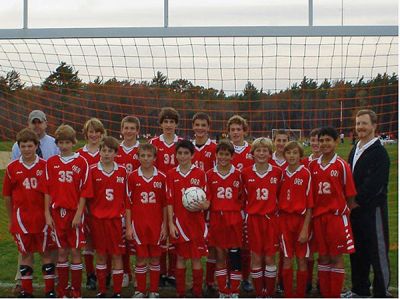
(191, 197)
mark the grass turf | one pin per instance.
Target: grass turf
(8, 251)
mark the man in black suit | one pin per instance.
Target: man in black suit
(369, 218)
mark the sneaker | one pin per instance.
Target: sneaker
(234, 295)
(23, 294)
(171, 280)
(279, 288)
(223, 295)
(101, 295)
(309, 288)
(116, 295)
(51, 294)
(154, 295)
(163, 281)
(139, 295)
(247, 286)
(210, 291)
(91, 282)
(125, 280)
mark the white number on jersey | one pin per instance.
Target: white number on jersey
(262, 193)
(110, 194)
(148, 197)
(223, 193)
(324, 188)
(129, 167)
(169, 159)
(30, 183)
(240, 166)
(65, 176)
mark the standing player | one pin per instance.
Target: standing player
(295, 203)
(69, 184)
(166, 160)
(204, 158)
(237, 130)
(226, 225)
(107, 210)
(187, 229)
(146, 191)
(315, 151)
(23, 190)
(93, 130)
(334, 190)
(261, 184)
(280, 138)
(127, 157)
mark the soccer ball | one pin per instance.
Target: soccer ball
(191, 197)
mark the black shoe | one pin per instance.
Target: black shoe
(247, 286)
(23, 294)
(210, 291)
(108, 280)
(51, 294)
(91, 282)
(163, 281)
(101, 295)
(171, 281)
(309, 288)
(116, 295)
(279, 288)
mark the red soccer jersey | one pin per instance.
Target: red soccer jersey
(128, 157)
(26, 185)
(295, 195)
(191, 225)
(91, 158)
(109, 192)
(332, 184)
(224, 191)
(204, 157)
(307, 160)
(68, 179)
(166, 158)
(242, 157)
(261, 190)
(282, 164)
(146, 201)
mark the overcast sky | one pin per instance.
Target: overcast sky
(104, 13)
(270, 63)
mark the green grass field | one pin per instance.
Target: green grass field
(8, 251)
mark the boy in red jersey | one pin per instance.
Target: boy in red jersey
(23, 190)
(334, 192)
(187, 229)
(146, 191)
(127, 151)
(315, 151)
(204, 158)
(166, 160)
(280, 138)
(237, 130)
(107, 208)
(295, 203)
(226, 225)
(69, 184)
(93, 130)
(127, 157)
(261, 184)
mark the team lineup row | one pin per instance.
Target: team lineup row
(127, 198)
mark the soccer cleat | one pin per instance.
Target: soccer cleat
(171, 280)
(23, 294)
(210, 291)
(91, 282)
(125, 280)
(309, 288)
(154, 295)
(51, 294)
(139, 295)
(116, 295)
(279, 288)
(163, 281)
(101, 295)
(247, 286)
(234, 295)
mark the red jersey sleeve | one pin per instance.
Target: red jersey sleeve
(309, 193)
(86, 182)
(7, 184)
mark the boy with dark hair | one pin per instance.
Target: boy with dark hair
(187, 229)
(107, 209)
(69, 185)
(334, 192)
(295, 203)
(23, 190)
(146, 194)
(224, 188)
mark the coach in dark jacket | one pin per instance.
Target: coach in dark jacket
(369, 218)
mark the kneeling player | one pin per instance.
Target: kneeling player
(146, 219)
(261, 184)
(23, 189)
(226, 224)
(107, 210)
(334, 191)
(295, 203)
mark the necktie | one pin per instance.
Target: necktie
(39, 152)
